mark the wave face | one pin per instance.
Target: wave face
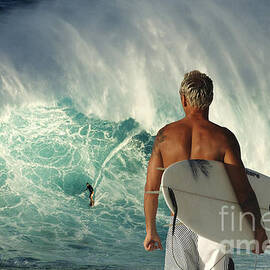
(48, 154)
(84, 86)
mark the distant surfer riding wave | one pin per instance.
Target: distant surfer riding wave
(91, 194)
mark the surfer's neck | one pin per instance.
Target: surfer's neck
(194, 113)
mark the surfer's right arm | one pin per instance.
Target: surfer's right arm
(243, 190)
(151, 199)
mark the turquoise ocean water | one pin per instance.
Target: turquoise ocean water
(84, 87)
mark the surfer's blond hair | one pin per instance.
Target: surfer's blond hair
(197, 87)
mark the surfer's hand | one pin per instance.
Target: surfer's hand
(152, 242)
(261, 241)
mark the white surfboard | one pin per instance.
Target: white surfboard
(203, 192)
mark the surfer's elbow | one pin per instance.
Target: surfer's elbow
(148, 188)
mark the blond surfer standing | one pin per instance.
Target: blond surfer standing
(195, 137)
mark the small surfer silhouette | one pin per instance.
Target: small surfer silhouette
(91, 190)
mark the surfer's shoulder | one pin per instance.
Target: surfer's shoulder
(161, 135)
(180, 124)
(169, 131)
(160, 138)
(228, 133)
(170, 128)
(231, 139)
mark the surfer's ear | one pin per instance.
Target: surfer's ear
(184, 100)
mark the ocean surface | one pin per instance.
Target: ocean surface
(84, 88)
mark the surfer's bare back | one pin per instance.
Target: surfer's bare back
(195, 137)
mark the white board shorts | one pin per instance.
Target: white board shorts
(188, 251)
